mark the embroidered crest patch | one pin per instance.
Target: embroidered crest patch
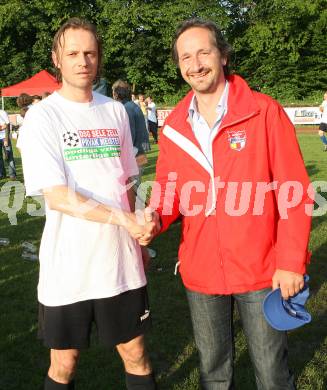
(237, 139)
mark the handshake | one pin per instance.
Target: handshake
(143, 225)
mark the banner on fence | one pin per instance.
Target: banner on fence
(162, 115)
(298, 115)
(304, 115)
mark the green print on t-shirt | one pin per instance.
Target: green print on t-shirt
(73, 154)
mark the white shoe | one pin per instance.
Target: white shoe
(152, 253)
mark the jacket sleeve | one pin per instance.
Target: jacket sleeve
(292, 194)
(164, 197)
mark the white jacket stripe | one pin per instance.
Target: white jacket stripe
(193, 151)
(188, 147)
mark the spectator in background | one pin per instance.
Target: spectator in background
(20, 117)
(101, 86)
(23, 112)
(20, 120)
(142, 104)
(24, 100)
(121, 91)
(323, 125)
(152, 118)
(36, 99)
(5, 145)
(45, 95)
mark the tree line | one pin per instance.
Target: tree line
(279, 45)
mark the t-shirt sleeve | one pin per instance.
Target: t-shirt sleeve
(4, 118)
(42, 158)
(127, 153)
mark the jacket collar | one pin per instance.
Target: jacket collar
(241, 104)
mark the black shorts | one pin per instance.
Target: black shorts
(323, 126)
(118, 320)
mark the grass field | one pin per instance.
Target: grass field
(24, 361)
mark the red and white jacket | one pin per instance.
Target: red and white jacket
(234, 238)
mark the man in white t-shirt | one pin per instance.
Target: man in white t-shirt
(77, 151)
(152, 118)
(323, 125)
(5, 144)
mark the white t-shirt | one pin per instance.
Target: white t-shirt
(4, 120)
(152, 113)
(88, 147)
(324, 113)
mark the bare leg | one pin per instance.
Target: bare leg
(134, 356)
(63, 365)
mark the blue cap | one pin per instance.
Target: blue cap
(290, 314)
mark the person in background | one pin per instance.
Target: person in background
(152, 118)
(36, 99)
(101, 86)
(121, 91)
(45, 95)
(24, 100)
(20, 120)
(323, 125)
(142, 104)
(6, 148)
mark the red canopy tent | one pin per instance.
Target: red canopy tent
(36, 85)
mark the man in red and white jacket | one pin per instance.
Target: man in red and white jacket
(230, 167)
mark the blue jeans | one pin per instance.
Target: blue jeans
(212, 319)
(10, 159)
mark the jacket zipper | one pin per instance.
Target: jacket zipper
(219, 254)
(217, 223)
